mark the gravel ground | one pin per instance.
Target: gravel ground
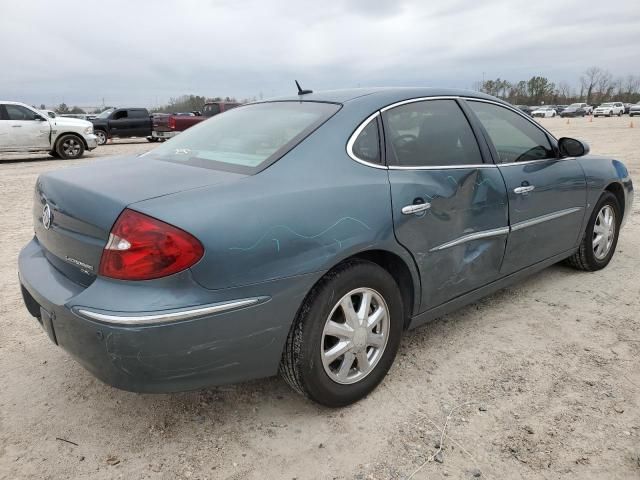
(540, 380)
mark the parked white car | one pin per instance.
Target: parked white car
(25, 129)
(544, 112)
(609, 109)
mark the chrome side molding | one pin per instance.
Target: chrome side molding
(544, 218)
(496, 232)
(128, 319)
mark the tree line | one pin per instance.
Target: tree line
(596, 86)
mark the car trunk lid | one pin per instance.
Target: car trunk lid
(75, 208)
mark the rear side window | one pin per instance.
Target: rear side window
(515, 138)
(430, 133)
(211, 110)
(367, 144)
(247, 138)
(138, 114)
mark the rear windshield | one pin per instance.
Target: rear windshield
(247, 138)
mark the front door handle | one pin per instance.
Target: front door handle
(525, 189)
(415, 208)
(16, 126)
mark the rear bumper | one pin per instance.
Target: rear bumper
(171, 134)
(212, 347)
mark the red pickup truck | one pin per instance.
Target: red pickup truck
(167, 126)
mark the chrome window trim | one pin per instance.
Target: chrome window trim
(364, 124)
(544, 218)
(126, 319)
(440, 167)
(419, 99)
(495, 232)
(354, 136)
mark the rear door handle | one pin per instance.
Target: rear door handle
(415, 208)
(525, 189)
(16, 126)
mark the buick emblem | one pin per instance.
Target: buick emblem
(46, 216)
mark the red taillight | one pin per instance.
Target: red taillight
(172, 123)
(142, 248)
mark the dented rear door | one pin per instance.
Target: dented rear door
(450, 208)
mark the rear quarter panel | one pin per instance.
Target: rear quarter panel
(305, 213)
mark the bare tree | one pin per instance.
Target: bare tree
(589, 80)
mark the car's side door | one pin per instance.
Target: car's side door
(449, 205)
(4, 129)
(26, 129)
(547, 194)
(140, 122)
(120, 123)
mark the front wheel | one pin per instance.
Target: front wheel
(102, 136)
(601, 237)
(69, 147)
(346, 335)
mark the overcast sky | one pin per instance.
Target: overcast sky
(139, 52)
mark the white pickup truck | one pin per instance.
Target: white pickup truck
(25, 129)
(609, 109)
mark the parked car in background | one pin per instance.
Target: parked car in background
(560, 108)
(526, 109)
(281, 237)
(49, 113)
(25, 129)
(609, 109)
(79, 116)
(165, 127)
(575, 110)
(545, 111)
(122, 123)
(634, 110)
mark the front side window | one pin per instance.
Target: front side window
(18, 112)
(430, 133)
(367, 144)
(515, 138)
(120, 115)
(246, 138)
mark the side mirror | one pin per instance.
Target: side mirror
(570, 147)
(38, 118)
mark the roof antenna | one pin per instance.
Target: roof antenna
(301, 91)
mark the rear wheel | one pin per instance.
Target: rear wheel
(346, 335)
(102, 136)
(69, 147)
(601, 237)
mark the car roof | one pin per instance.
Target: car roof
(9, 102)
(383, 95)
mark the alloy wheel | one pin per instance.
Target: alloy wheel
(604, 231)
(355, 336)
(71, 147)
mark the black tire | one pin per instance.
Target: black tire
(152, 139)
(70, 146)
(102, 136)
(302, 360)
(585, 258)
(619, 114)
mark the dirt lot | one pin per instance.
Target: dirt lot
(542, 380)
